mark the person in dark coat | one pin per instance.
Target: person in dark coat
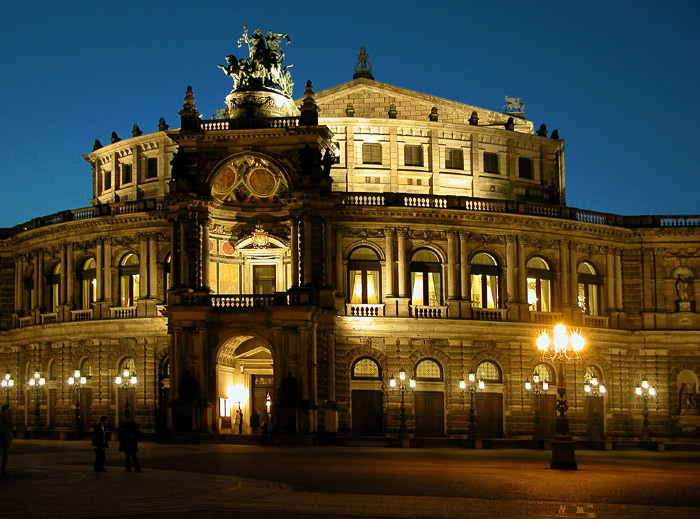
(99, 443)
(128, 442)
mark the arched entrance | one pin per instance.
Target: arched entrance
(245, 384)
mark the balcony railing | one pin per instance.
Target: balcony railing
(357, 310)
(596, 321)
(490, 314)
(122, 312)
(48, 318)
(428, 312)
(545, 317)
(81, 315)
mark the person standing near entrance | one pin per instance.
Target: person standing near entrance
(255, 423)
(5, 436)
(99, 443)
(265, 422)
(128, 442)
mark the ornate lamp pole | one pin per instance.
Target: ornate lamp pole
(593, 388)
(127, 381)
(401, 386)
(7, 383)
(37, 383)
(536, 387)
(76, 382)
(645, 392)
(473, 387)
(563, 346)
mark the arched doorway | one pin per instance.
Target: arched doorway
(245, 385)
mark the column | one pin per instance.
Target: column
(205, 255)
(339, 275)
(521, 289)
(307, 252)
(402, 262)
(152, 267)
(143, 267)
(19, 279)
(573, 280)
(107, 278)
(564, 270)
(389, 244)
(63, 276)
(182, 257)
(40, 281)
(511, 289)
(610, 279)
(618, 280)
(294, 244)
(328, 249)
(464, 265)
(451, 264)
(70, 276)
(99, 272)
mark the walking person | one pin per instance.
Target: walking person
(99, 443)
(128, 442)
(5, 436)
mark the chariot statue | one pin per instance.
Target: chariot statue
(514, 105)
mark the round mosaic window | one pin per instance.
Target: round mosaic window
(249, 180)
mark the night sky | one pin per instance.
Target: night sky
(620, 81)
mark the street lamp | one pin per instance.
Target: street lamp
(593, 388)
(37, 383)
(563, 346)
(536, 387)
(76, 382)
(127, 381)
(401, 386)
(645, 392)
(473, 387)
(7, 383)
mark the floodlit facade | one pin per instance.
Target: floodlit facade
(295, 256)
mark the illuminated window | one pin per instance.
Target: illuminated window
(55, 286)
(525, 169)
(413, 155)
(426, 279)
(366, 368)
(454, 158)
(539, 285)
(488, 372)
(491, 163)
(485, 274)
(428, 369)
(86, 368)
(129, 280)
(371, 153)
(544, 373)
(364, 280)
(592, 373)
(88, 284)
(588, 289)
(264, 279)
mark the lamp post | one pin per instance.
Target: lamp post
(536, 387)
(564, 346)
(76, 382)
(37, 383)
(473, 387)
(127, 381)
(402, 387)
(645, 392)
(7, 383)
(593, 389)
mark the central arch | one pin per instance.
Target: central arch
(244, 377)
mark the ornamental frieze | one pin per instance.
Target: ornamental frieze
(426, 234)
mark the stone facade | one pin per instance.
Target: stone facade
(300, 262)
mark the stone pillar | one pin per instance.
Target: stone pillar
(565, 297)
(204, 282)
(451, 264)
(511, 289)
(63, 276)
(389, 274)
(521, 290)
(610, 280)
(143, 267)
(182, 258)
(329, 280)
(307, 252)
(339, 277)
(99, 272)
(40, 285)
(618, 280)
(464, 266)
(294, 245)
(152, 267)
(70, 277)
(402, 262)
(107, 271)
(19, 283)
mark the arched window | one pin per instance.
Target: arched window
(426, 279)
(129, 280)
(51, 370)
(488, 372)
(544, 373)
(55, 285)
(127, 363)
(364, 277)
(86, 368)
(588, 289)
(485, 281)
(591, 373)
(88, 284)
(366, 368)
(539, 285)
(428, 369)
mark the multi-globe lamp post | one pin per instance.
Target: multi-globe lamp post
(126, 381)
(472, 387)
(562, 346)
(645, 392)
(37, 383)
(7, 384)
(76, 381)
(402, 386)
(536, 387)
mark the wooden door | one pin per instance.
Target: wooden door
(548, 416)
(489, 415)
(430, 413)
(595, 422)
(367, 413)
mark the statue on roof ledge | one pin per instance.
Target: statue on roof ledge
(262, 69)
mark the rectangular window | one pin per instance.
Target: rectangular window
(413, 155)
(371, 153)
(264, 279)
(151, 168)
(454, 158)
(126, 173)
(108, 180)
(525, 168)
(491, 163)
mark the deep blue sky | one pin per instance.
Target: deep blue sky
(620, 80)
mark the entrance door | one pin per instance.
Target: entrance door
(85, 409)
(430, 413)
(595, 422)
(367, 413)
(489, 415)
(548, 416)
(262, 386)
